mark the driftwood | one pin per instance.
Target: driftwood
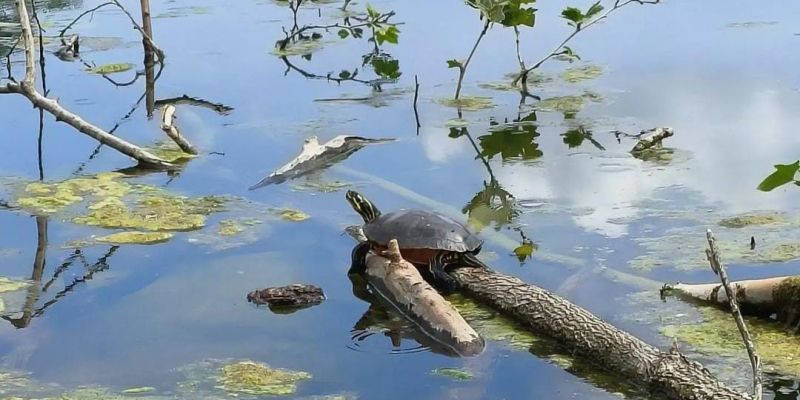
(587, 336)
(287, 299)
(401, 283)
(27, 88)
(778, 296)
(652, 138)
(168, 126)
(315, 156)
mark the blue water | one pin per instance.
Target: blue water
(729, 92)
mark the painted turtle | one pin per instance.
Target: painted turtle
(426, 239)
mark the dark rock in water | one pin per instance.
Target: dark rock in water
(287, 299)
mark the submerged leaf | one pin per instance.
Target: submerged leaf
(469, 103)
(293, 215)
(457, 374)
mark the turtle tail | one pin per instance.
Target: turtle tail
(470, 260)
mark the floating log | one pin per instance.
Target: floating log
(778, 296)
(315, 156)
(400, 282)
(587, 336)
(651, 138)
(287, 299)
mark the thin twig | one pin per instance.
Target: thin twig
(712, 253)
(74, 21)
(462, 69)
(416, 96)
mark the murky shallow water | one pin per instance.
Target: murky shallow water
(728, 90)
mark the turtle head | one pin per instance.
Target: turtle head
(363, 207)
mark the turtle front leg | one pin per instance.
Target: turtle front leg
(358, 263)
(442, 281)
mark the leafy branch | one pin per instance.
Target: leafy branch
(580, 21)
(507, 13)
(784, 173)
(383, 29)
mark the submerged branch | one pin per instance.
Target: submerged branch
(716, 265)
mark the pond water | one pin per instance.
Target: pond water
(609, 228)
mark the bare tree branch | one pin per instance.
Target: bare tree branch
(716, 265)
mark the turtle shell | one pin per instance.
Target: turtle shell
(419, 229)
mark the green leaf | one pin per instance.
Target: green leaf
(343, 33)
(493, 10)
(784, 173)
(372, 12)
(454, 64)
(515, 140)
(386, 67)
(358, 32)
(594, 10)
(573, 14)
(345, 74)
(387, 34)
(519, 16)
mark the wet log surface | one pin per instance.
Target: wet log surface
(399, 282)
(587, 336)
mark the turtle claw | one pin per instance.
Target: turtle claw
(440, 279)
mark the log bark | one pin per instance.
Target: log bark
(587, 336)
(168, 126)
(779, 296)
(400, 282)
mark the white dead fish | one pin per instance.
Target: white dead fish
(315, 156)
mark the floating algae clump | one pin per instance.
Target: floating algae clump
(585, 73)
(492, 326)
(169, 152)
(469, 103)
(717, 335)
(293, 215)
(135, 237)
(454, 373)
(162, 212)
(744, 220)
(252, 378)
(567, 104)
(48, 198)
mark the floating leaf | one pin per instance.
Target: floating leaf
(111, 68)
(343, 33)
(784, 173)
